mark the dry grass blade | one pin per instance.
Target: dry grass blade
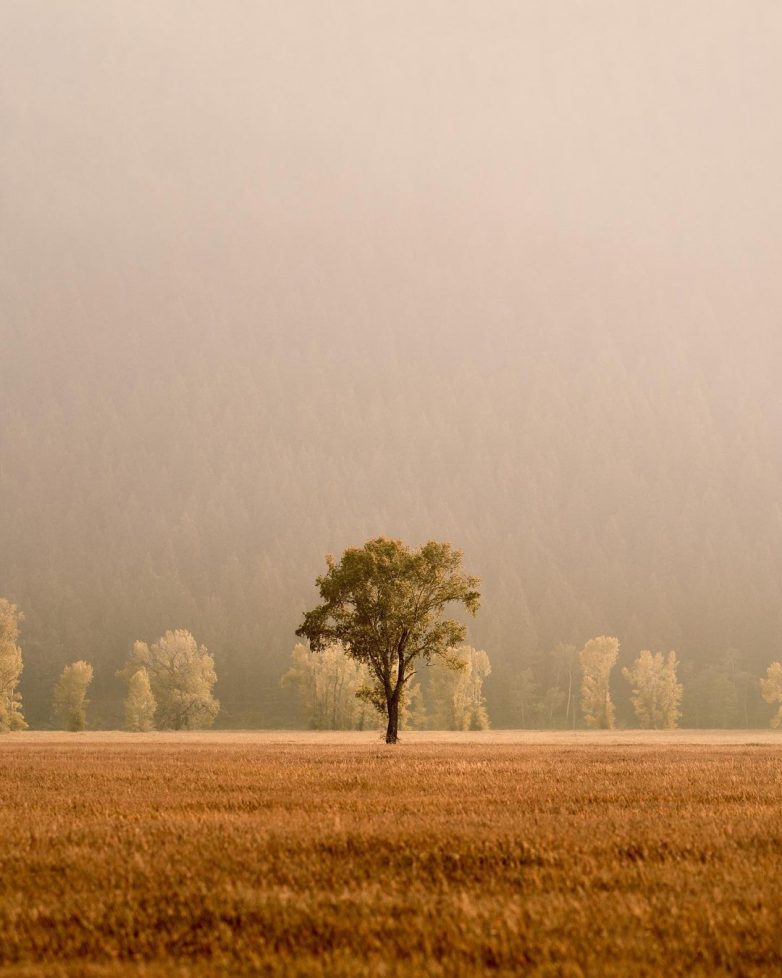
(232, 858)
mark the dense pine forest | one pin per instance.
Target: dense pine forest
(264, 327)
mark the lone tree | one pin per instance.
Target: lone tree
(385, 603)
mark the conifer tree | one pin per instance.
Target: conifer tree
(523, 692)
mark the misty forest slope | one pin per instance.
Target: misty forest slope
(253, 315)
(596, 486)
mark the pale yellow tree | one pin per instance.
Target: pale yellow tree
(598, 658)
(11, 717)
(140, 703)
(457, 679)
(181, 676)
(329, 685)
(657, 693)
(70, 696)
(771, 690)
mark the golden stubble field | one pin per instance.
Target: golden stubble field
(239, 855)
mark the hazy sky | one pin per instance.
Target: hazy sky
(193, 133)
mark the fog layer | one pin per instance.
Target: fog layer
(279, 277)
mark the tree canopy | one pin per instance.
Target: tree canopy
(11, 717)
(70, 696)
(181, 675)
(657, 693)
(597, 660)
(385, 604)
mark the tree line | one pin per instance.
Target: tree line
(223, 481)
(545, 691)
(332, 691)
(170, 686)
(169, 683)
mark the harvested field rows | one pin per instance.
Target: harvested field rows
(232, 858)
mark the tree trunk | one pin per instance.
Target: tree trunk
(393, 720)
(393, 698)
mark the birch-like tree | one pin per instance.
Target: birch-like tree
(771, 690)
(456, 685)
(140, 703)
(598, 658)
(656, 691)
(181, 676)
(523, 694)
(11, 717)
(329, 685)
(565, 659)
(70, 696)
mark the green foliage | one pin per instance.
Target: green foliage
(70, 696)
(552, 703)
(384, 603)
(722, 694)
(11, 717)
(181, 676)
(562, 692)
(524, 696)
(543, 691)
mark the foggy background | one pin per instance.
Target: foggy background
(278, 277)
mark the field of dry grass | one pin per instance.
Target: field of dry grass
(241, 854)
